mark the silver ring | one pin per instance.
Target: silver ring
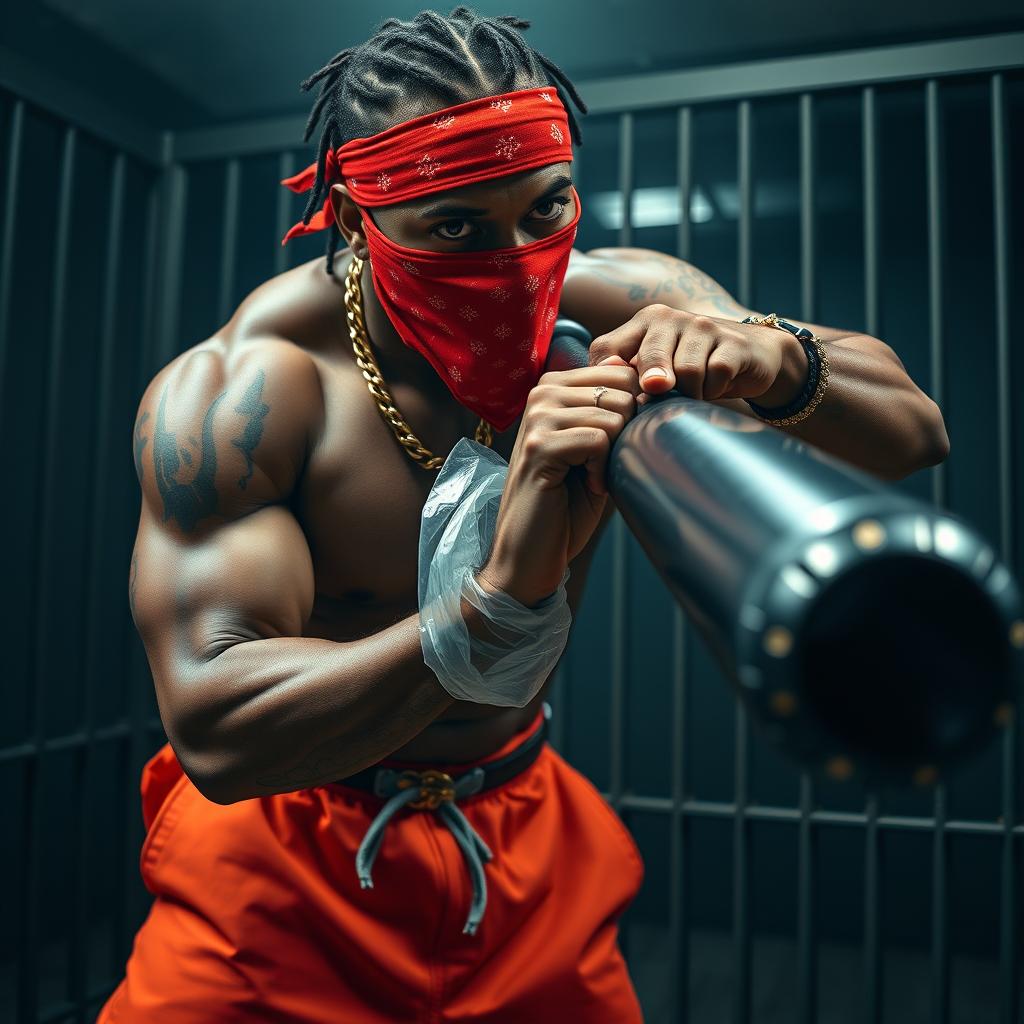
(598, 392)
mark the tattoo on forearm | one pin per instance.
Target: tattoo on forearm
(139, 444)
(253, 405)
(191, 500)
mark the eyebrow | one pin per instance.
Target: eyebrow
(449, 210)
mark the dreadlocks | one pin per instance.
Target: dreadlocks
(409, 68)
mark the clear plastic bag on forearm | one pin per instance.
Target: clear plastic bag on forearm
(456, 530)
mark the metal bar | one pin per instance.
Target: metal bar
(745, 187)
(285, 169)
(70, 104)
(940, 942)
(229, 239)
(762, 812)
(740, 832)
(934, 150)
(740, 877)
(72, 741)
(678, 918)
(1009, 976)
(14, 139)
(174, 187)
(620, 553)
(806, 962)
(161, 206)
(95, 651)
(806, 941)
(45, 573)
(726, 82)
(869, 130)
(936, 290)
(807, 202)
(844, 69)
(1001, 221)
(685, 170)
(872, 885)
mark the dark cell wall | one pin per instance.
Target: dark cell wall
(76, 694)
(98, 290)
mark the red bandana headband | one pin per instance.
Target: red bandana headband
(475, 141)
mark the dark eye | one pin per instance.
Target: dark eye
(443, 228)
(558, 202)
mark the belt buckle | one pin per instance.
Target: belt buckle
(436, 788)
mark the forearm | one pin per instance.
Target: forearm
(285, 713)
(872, 414)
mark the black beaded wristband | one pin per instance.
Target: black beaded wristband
(817, 374)
(800, 402)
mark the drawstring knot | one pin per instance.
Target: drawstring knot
(434, 791)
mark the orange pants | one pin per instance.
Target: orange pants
(258, 914)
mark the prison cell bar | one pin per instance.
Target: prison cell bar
(41, 544)
(1009, 979)
(679, 932)
(14, 137)
(741, 751)
(806, 968)
(620, 548)
(106, 443)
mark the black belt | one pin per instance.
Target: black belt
(433, 790)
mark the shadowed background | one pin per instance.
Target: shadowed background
(856, 170)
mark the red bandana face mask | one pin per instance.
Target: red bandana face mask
(484, 320)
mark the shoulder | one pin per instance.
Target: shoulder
(226, 427)
(271, 340)
(605, 287)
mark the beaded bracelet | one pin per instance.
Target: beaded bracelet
(817, 374)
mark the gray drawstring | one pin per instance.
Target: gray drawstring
(474, 850)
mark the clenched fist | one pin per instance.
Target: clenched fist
(555, 493)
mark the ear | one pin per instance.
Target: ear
(349, 219)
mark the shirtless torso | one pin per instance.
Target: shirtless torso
(359, 496)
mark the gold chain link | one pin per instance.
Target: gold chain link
(375, 382)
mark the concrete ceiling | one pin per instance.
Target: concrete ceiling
(202, 61)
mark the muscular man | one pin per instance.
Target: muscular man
(274, 583)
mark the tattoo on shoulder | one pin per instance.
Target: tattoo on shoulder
(186, 474)
(683, 279)
(192, 499)
(256, 409)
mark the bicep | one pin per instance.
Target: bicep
(249, 579)
(219, 557)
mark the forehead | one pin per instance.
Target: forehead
(492, 192)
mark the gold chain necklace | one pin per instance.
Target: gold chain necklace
(375, 382)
